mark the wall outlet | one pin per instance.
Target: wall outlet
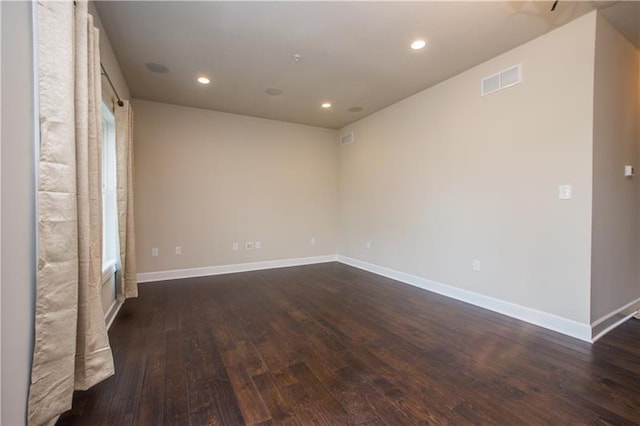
(178, 250)
(258, 245)
(248, 245)
(313, 241)
(368, 244)
(235, 246)
(154, 251)
(476, 265)
(564, 192)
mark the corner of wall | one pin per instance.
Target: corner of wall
(615, 243)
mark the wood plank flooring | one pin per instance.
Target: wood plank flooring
(329, 344)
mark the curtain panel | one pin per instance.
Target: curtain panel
(71, 348)
(128, 286)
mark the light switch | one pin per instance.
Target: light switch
(628, 171)
(564, 192)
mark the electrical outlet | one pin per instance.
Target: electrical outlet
(258, 245)
(476, 265)
(178, 250)
(154, 251)
(564, 192)
(248, 245)
(235, 246)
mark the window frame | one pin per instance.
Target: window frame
(110, 243)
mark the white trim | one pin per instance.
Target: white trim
(584, 332)
(539, 318)
(613, 319)
(107, 113)
(1, 216)
(112, 312)
(175, 274)
(108, 269)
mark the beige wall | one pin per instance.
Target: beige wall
(614, 266)
(447, 176)
(204, 180)
(17, 267)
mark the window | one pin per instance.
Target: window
(110, 250)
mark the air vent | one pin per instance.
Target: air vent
(491, 84)
(502, 80)
(346, 138)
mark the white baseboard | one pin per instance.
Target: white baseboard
(613, 319)
(112, 312)
(585, 332)
(539, 318)
(230, 269)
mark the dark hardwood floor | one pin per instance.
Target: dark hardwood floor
(329, 344)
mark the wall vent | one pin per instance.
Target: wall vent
(346, 138)
(502, 80)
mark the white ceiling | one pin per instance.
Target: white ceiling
(354, 54)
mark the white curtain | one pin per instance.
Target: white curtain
(71, 349)
(128, 286)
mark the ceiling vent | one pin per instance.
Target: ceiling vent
(346, 138)
(502, 80)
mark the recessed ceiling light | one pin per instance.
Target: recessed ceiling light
(355, 109)
(273, 91)
(203, 80)
(157, 68)
(326, 105)
(418, 44)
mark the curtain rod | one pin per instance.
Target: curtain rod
(104, 72)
